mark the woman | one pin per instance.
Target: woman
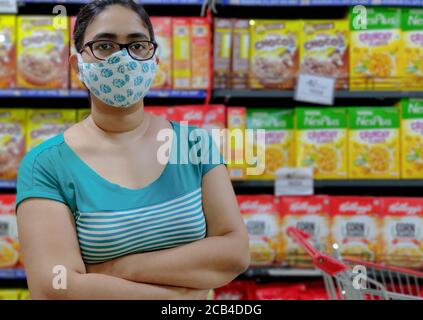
(97, 202)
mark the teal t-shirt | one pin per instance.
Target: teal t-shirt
(112, 220)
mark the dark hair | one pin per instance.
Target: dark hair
(92, 9)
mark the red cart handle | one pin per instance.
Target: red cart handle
(322, 261)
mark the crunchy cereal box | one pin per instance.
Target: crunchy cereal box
(75, 83)
(321, 141)
(274, 56)
(12, 141)
(43, 124)
(8, 51)
(278, 145)
(412, 139)
(10, 255)
(43, 53)
(200, 53)
(181, 53)
(355, 226)
(163, 34)
(240, 54)
(376, 51)
(235, 159)
(412, 53)
(324, 49)
(82, 114)
(223, 29)
(260, 214)
(374, 143)
(193, 115)
(402, 232)
(310, 214)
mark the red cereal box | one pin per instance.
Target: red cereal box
(310, 214)
(355, 226)
(158, 111)
(163, 34)
(200, 52)
(402, 232)
(10, 255)
(260, 214)
(236, 290)
(237, 122)
(194, 115)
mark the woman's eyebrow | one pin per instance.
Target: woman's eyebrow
(105, 35)
(138, 35)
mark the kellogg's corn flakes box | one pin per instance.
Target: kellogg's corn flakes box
(376, 51)
(412, 53)
(309, 214)
(12, 141)
(10, 255)
(235, 156)
(321, 140)
(75, 83)
(43, 52)
(355, 226)
(274, 60)
(44, 124)
(260, 214)
(82, 114)
(412, 139)
(8, 51)
(374, 143)
(163, 34)
(402, 232)
(278, 140)
(325, 49)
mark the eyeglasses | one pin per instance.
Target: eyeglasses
(138, 50)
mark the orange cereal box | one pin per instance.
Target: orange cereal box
(7, 51)
(43, 52)
(325, 49)
(274, 56)
(163, 34)
(10, 255)
(74, 80)
(181, 53)
(200, 53)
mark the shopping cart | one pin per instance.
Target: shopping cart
(351, 279)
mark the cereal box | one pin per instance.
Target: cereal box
(163, 34)
(43, 52)
(215, 123)
(278, 144)
(376, 51)
(24, 294)
(310, 214)
(260, 214)
(181, 53)
(158, 111)
(222, 53)
(194, 115)
(12, 141)
(7, 51)
(235, 159)
(321, 140)
(412, 139)
(402, 231)
(200, 66)
(240, 54)
(9, 294)
(355, 226)
(274, 53)
(412, 53)
(43, 124)
(10, 256)
(374, 143)
(325, 49)
(82, 114)
(74, 80)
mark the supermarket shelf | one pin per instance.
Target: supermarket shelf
(306, 3)
(12, 274)
(144, 2)
(280, 272)
(7, 184)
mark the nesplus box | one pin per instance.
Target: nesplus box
(8, 51)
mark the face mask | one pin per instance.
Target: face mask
(119, 81)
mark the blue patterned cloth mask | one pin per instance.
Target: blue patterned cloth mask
(119, 81)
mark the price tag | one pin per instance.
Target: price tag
(315, 89)
(8, 6)
(294, 182)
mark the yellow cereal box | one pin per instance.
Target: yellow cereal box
(376, 50)
(223, 34)
(274, 53)
(43, 52)
(324, 49)
(9, 294)
(74, 80)
(44, 124)
(321, 140)
(235, 142)
(24, 294)
(12, 141)
(412, 139)
(278, 141)
(412, 53)
(181, 53)
(82, 114)
(163, 34)
(7, 51)
(374, 143)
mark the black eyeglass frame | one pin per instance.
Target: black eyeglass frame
(126, 46)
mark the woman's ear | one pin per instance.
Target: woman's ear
(73, 61)
(157, 60)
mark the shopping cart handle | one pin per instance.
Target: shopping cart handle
(301, 237)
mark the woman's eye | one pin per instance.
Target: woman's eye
(105, 46)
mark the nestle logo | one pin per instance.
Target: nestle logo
(405, 208)
(355, 207)
(304, 206)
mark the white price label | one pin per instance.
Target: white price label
(294, 182)
(8, 6)
(315, 89)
